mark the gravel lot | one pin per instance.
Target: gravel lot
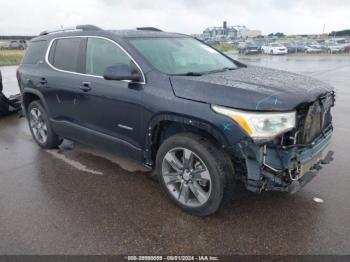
(82, 201)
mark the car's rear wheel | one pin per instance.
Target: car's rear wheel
(194, 173)
(40, 127)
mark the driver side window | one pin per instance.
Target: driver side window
(101, 53)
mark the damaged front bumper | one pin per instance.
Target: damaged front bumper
(282, 168)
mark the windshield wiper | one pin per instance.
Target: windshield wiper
(206, 72)
(219, 70)
(223, 69)
(189, 74)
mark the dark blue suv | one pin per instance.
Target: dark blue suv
(200, 119)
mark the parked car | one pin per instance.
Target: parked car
(274, 49)
(248, 49)
(200, 119)
(294, 47)
(347, 48)
(313, 49)
(3, 45)
(323, 47)
(291, 48)
(335, 48)
(18, 44)
(340, 41)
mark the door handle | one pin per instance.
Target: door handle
(43, 81)
(85, 86)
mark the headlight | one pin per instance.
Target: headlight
(260, 125)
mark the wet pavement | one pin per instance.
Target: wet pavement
(78, 200)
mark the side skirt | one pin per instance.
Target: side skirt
(90, 137)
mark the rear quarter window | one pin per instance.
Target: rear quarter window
(35, 52)
(65, 53)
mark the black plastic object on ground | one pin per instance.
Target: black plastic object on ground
(0, 82)
(8, 105)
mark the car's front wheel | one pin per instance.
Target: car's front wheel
(194, 173)
(40, 127)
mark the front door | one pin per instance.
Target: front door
(108, 107)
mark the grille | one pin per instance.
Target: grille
(315, 119)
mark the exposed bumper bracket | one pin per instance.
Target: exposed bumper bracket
(296, 185)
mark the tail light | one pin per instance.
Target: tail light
(17, 73)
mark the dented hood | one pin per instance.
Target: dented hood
(251, 88)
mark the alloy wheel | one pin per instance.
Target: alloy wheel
(186, 177)
(38, 125)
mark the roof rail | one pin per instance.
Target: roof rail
(78, 27)
(149, 29)
(88, 28)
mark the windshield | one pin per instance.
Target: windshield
(177, 56)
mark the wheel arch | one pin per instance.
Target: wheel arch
(29, 95)
(165, 125)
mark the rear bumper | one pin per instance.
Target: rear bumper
(285, 169)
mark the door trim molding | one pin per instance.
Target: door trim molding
(93, 132)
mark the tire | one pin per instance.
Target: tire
(37, 117)
(271, 52)
(214, 186)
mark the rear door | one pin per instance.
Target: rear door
(63, 79)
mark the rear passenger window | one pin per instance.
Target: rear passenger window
(35, 52)
(64, 53)
(101, 53)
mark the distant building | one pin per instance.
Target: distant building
(229, 32)
(220, 32)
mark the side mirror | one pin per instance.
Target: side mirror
(121, 72)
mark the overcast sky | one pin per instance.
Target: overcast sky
(186, 16)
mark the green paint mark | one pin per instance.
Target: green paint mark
(227, 127)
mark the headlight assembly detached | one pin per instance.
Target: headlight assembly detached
(260, 125)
